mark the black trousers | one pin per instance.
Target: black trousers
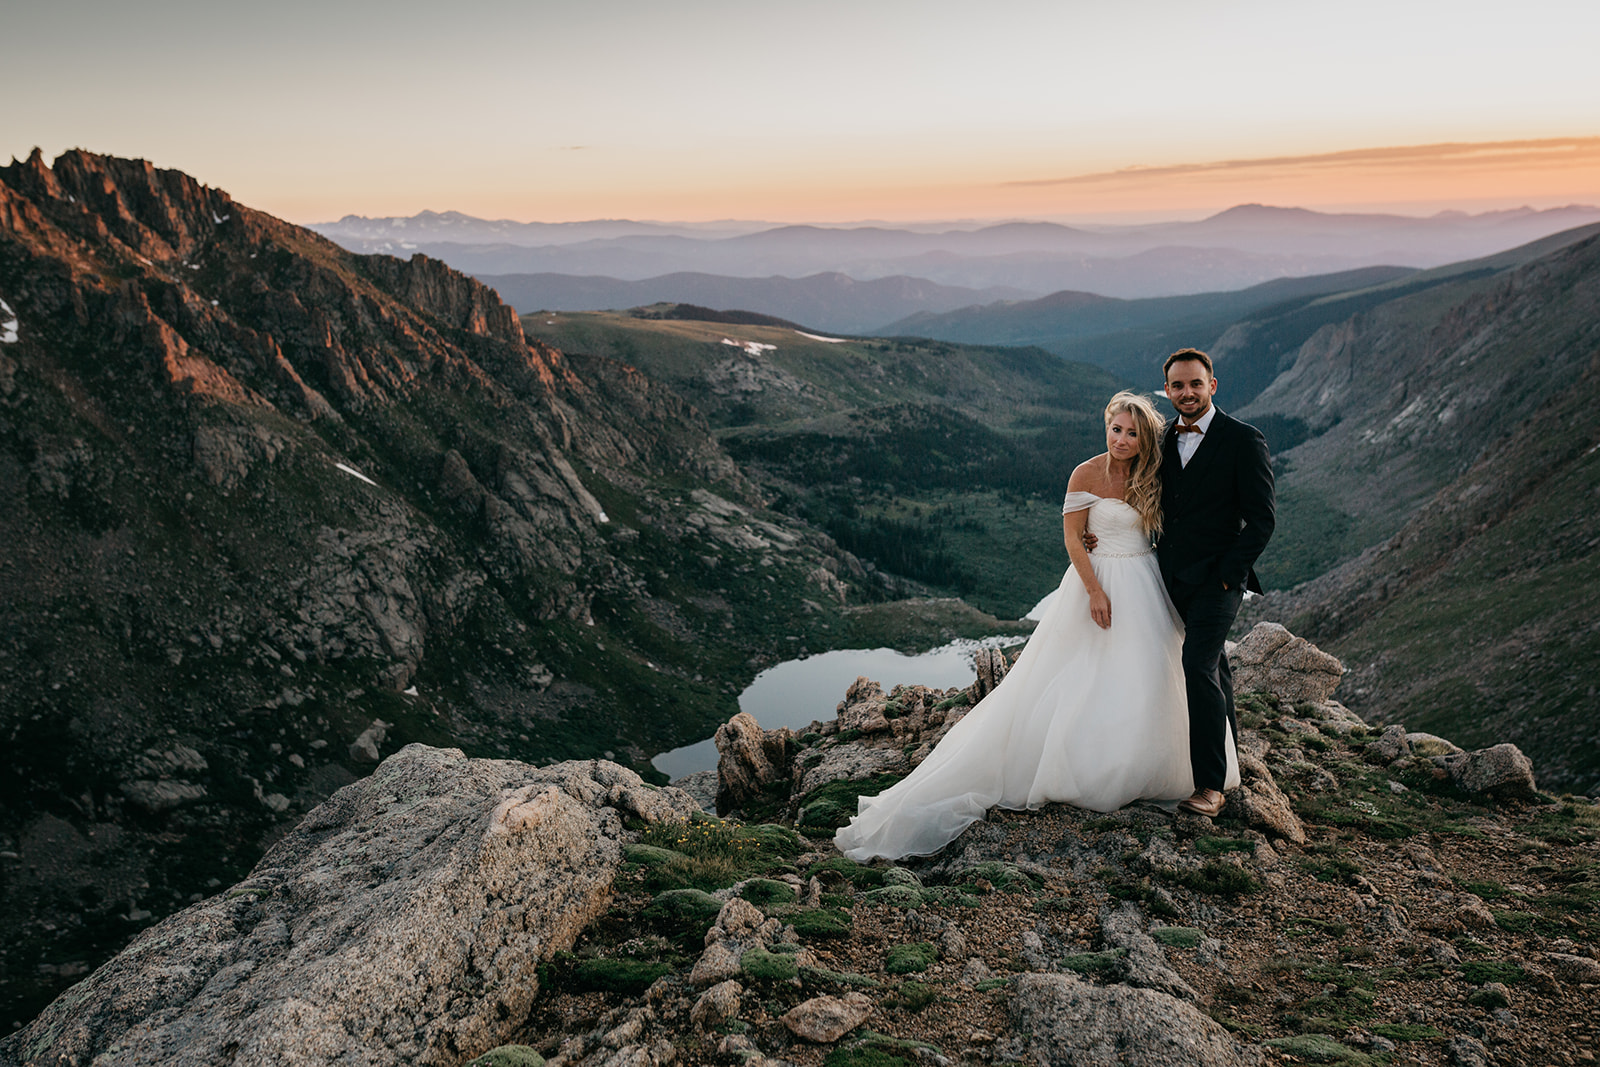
(1208, 612)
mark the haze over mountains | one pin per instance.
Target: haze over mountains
(1240, 247)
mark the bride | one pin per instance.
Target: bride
(1094, 713)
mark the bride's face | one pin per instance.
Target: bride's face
(1122, 437)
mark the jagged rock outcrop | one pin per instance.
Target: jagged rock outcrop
(748, 760)
(401, 922)
(1271, 659)
(990, 665)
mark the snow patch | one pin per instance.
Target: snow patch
(824, 340)
(8, 324)
(754, 348)
(410, 692)
(355, 473)
(213, 303)
(219, 219)
(604, 517)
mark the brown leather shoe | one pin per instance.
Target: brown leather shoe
(1207, 802)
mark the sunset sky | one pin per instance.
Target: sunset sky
(822, 111)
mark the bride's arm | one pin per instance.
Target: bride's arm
(1073, 524)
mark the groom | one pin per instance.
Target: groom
(1217, 515)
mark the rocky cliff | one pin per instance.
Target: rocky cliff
(271, 510)
(1369, 896)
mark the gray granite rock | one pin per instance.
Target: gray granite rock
(1389, 746)
(1501, 771)
(1059, 1020)
(1273, 660)
(826, 1019)
(400, 922)
(748, 759)
(1123, 927)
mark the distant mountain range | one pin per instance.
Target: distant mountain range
(1248, 331)
(833, 302)
(1240, 247)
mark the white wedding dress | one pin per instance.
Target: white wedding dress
(1090, 717)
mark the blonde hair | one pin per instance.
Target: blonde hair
(1144, 479)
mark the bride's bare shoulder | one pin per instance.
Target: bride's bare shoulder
(1088, 475)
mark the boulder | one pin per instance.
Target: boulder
(1574, 969)
(1060, 1019)
(716, 1006)
(400, 922)
(1390, 745)
(1123, 928)
(1501, 771)
(851, 761)
(1273, 660)
(749, 759)
(702, 786)
(365, 747)
(718, 963)
(159, 796)
(824, 1019)
(1429, 745)
(1262, 804)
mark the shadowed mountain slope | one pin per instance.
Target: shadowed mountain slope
(271, 508)
(1463, 422)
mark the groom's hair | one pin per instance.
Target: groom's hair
(1183, 354)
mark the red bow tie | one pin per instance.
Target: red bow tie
(1181, 428)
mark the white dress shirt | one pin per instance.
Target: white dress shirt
(1188, 442)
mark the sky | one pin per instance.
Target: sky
(821, 111)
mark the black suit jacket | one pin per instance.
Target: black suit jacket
(1217, 513)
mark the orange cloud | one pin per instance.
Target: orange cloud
(1562, 152)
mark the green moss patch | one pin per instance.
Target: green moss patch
(1220, 879)
(821, 976)
(1480, 971)
(684, 914)
(1215, 846)
(1096, 964)
(508, 1056)
(832, 805)
(766, 891)
(864, 1057)
(625, 976)
(1317, 1048)
(911, 996)
(759, 965)
(910, 959)
(1177, 936)
(897, 896)
(859, 875)
(1407, 1032)
(817, 923)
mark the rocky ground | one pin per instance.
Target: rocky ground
(1368, 896)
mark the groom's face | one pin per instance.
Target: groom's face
(1190, 387)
